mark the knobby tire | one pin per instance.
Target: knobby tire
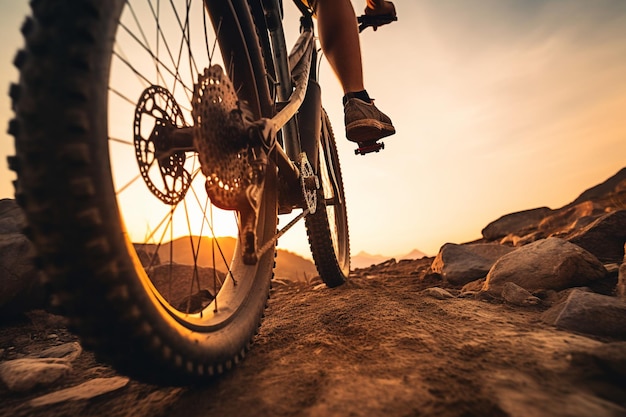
(64, 185)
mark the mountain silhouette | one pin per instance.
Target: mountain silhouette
(365, 260)
(414, 254)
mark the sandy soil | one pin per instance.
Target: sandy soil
(376, 346)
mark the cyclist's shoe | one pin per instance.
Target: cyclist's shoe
(365, 123)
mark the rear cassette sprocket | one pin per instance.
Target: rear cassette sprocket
(234, 169)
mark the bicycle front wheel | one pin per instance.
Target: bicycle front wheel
(151, 274)
(328, 227)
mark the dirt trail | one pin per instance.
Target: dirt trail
(376, 346)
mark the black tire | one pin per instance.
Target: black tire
(328, 227)
(73, 184)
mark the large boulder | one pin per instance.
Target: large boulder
(605, 237)
(12, 218)
(460, 264)
(548, 264)
(20, 285)
(519, 223)
(590, 313)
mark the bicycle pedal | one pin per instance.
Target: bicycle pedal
(368, 147)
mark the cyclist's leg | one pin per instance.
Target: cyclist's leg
(339, 38)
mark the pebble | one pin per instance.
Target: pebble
(438, 293)
(85, 391)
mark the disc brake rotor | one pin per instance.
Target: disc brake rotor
(158, 112)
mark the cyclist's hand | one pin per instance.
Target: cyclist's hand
(384, 9)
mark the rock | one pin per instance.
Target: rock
(515, 240)
(20, 288)
(612, 269)
(20, 285)
(551, 263)
(85, 391)
(551, 297)
(515, 394)
(564, 219)
(460, 264)
(514, 294)
(438, 293)
(196, 302)
(590, 313)
(610, 358)
(473, 287)
(42, 368)
(515, 223)
(67, 351)
(12, 218)
(621, 280)
(605, 237)
(147, 255)
(174, 282)
(21, 375)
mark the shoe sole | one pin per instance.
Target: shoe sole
(362, 131)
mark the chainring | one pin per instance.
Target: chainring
(157, 105)
(309, 183)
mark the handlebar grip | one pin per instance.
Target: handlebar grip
(375, 21)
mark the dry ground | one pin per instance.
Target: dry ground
(374, 347)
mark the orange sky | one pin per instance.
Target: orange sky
(500, 106)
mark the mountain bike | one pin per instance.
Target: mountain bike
(157, 143)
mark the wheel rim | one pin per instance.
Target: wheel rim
(335, 200)
(189, 248)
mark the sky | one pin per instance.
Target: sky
(499, 106)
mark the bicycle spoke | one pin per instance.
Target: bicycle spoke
(157, 37)
(122, 141)
(143, 35)
(122, 96)
(174, 73)
(184, 41)
(160, 51)
(128, 184)
(209, 223)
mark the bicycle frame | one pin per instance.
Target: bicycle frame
(302, 98)
(194, 319)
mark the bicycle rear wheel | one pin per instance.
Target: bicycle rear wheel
(150, 273)
(328, 227)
